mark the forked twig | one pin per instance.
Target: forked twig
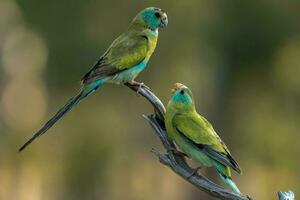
(176, 162)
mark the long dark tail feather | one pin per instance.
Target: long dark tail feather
(71, 103)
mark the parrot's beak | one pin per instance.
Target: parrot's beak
(164, 20)
(176, 87)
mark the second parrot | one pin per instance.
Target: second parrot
(196, 137)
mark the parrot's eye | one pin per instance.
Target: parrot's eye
(182, 92)
(157, 14)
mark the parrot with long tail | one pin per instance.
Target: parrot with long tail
(126, 57)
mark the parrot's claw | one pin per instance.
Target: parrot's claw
(195, 172)
(177, 152)
(140, 85)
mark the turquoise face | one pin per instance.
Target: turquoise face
(154, 17)
(183, 97)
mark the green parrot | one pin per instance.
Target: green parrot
(195, 136)
(126, 57)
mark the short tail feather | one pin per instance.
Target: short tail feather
(228, 181)
(231, 184)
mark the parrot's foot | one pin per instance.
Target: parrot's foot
(177, 152)
(195, 172)
(141, 85)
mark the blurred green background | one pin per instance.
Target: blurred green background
(240, 58)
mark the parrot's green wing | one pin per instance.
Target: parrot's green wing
(127, 51)
(200, 133)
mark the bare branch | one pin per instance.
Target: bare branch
(176, 162)
(286, 195)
